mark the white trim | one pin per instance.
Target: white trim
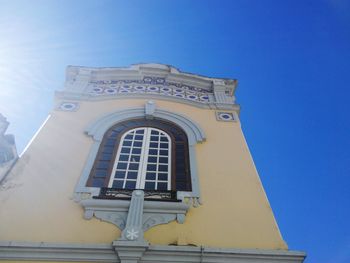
(68, 252)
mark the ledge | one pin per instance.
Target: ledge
(63, 252)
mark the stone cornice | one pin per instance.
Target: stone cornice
(64, 252)
(152, 81)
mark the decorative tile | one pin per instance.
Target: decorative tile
(225, 116)
(152, 85)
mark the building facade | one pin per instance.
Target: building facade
(139, 164)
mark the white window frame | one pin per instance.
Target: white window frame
(143, 161)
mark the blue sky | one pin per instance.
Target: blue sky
(291, 59)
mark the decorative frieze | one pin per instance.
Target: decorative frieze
(150, 85)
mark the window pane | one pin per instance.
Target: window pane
(120, 174)
(128, 137)
(133, 166)
(163, 159)
(135, 158)
(162, 176)
(137, 144)
(162, 186)
(149, 186)
(117, 184)
(150, 176)
(125, 150)
(132, 175)
(123, 157)
(121, 166)
(152, 159)
(140, 131)
(163, 152)
(139, 137)
(127, 143)
(153, 145)
(163, 168)
(136, 151)
(130, 185)
(153, 152)
(153, 132)
(164, 146)
(163, 139)
(154, 138)
(151, 167)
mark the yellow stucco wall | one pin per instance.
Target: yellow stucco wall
(36, 201)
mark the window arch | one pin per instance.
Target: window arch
(133, 155)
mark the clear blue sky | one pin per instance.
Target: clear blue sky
(291, 59)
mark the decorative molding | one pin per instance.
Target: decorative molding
(98, 128)
(149, 80)
(135, 251)
(133, 230)
(68, 106)
(225, 116)
(116, 212)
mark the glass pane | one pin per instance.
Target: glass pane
(120, 174)
(135, 158)
(162, 186)
(163, 168)
(163, 152)
(150, 176)
(125, 150)
(163, 159)
(117, 184)
(133, 166)
(98, 182)
(153, 145)
(152, 159)
(127, 143)
(164, 139)
(164, 146)
(136, 151)
(162, 176)
(149, 186)
(130, 184)
(153, 132)
(153, 152)
(121, 166)
(139, 137)
(128, 137)
(132, 175)
(140, 131)
(151, 167)
(154, 138)
(137, 144)
(123, 157)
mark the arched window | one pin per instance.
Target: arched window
(143, 160)
(143, 154)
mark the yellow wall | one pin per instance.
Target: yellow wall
(36, 201)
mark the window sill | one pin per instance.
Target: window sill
(116, 211)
